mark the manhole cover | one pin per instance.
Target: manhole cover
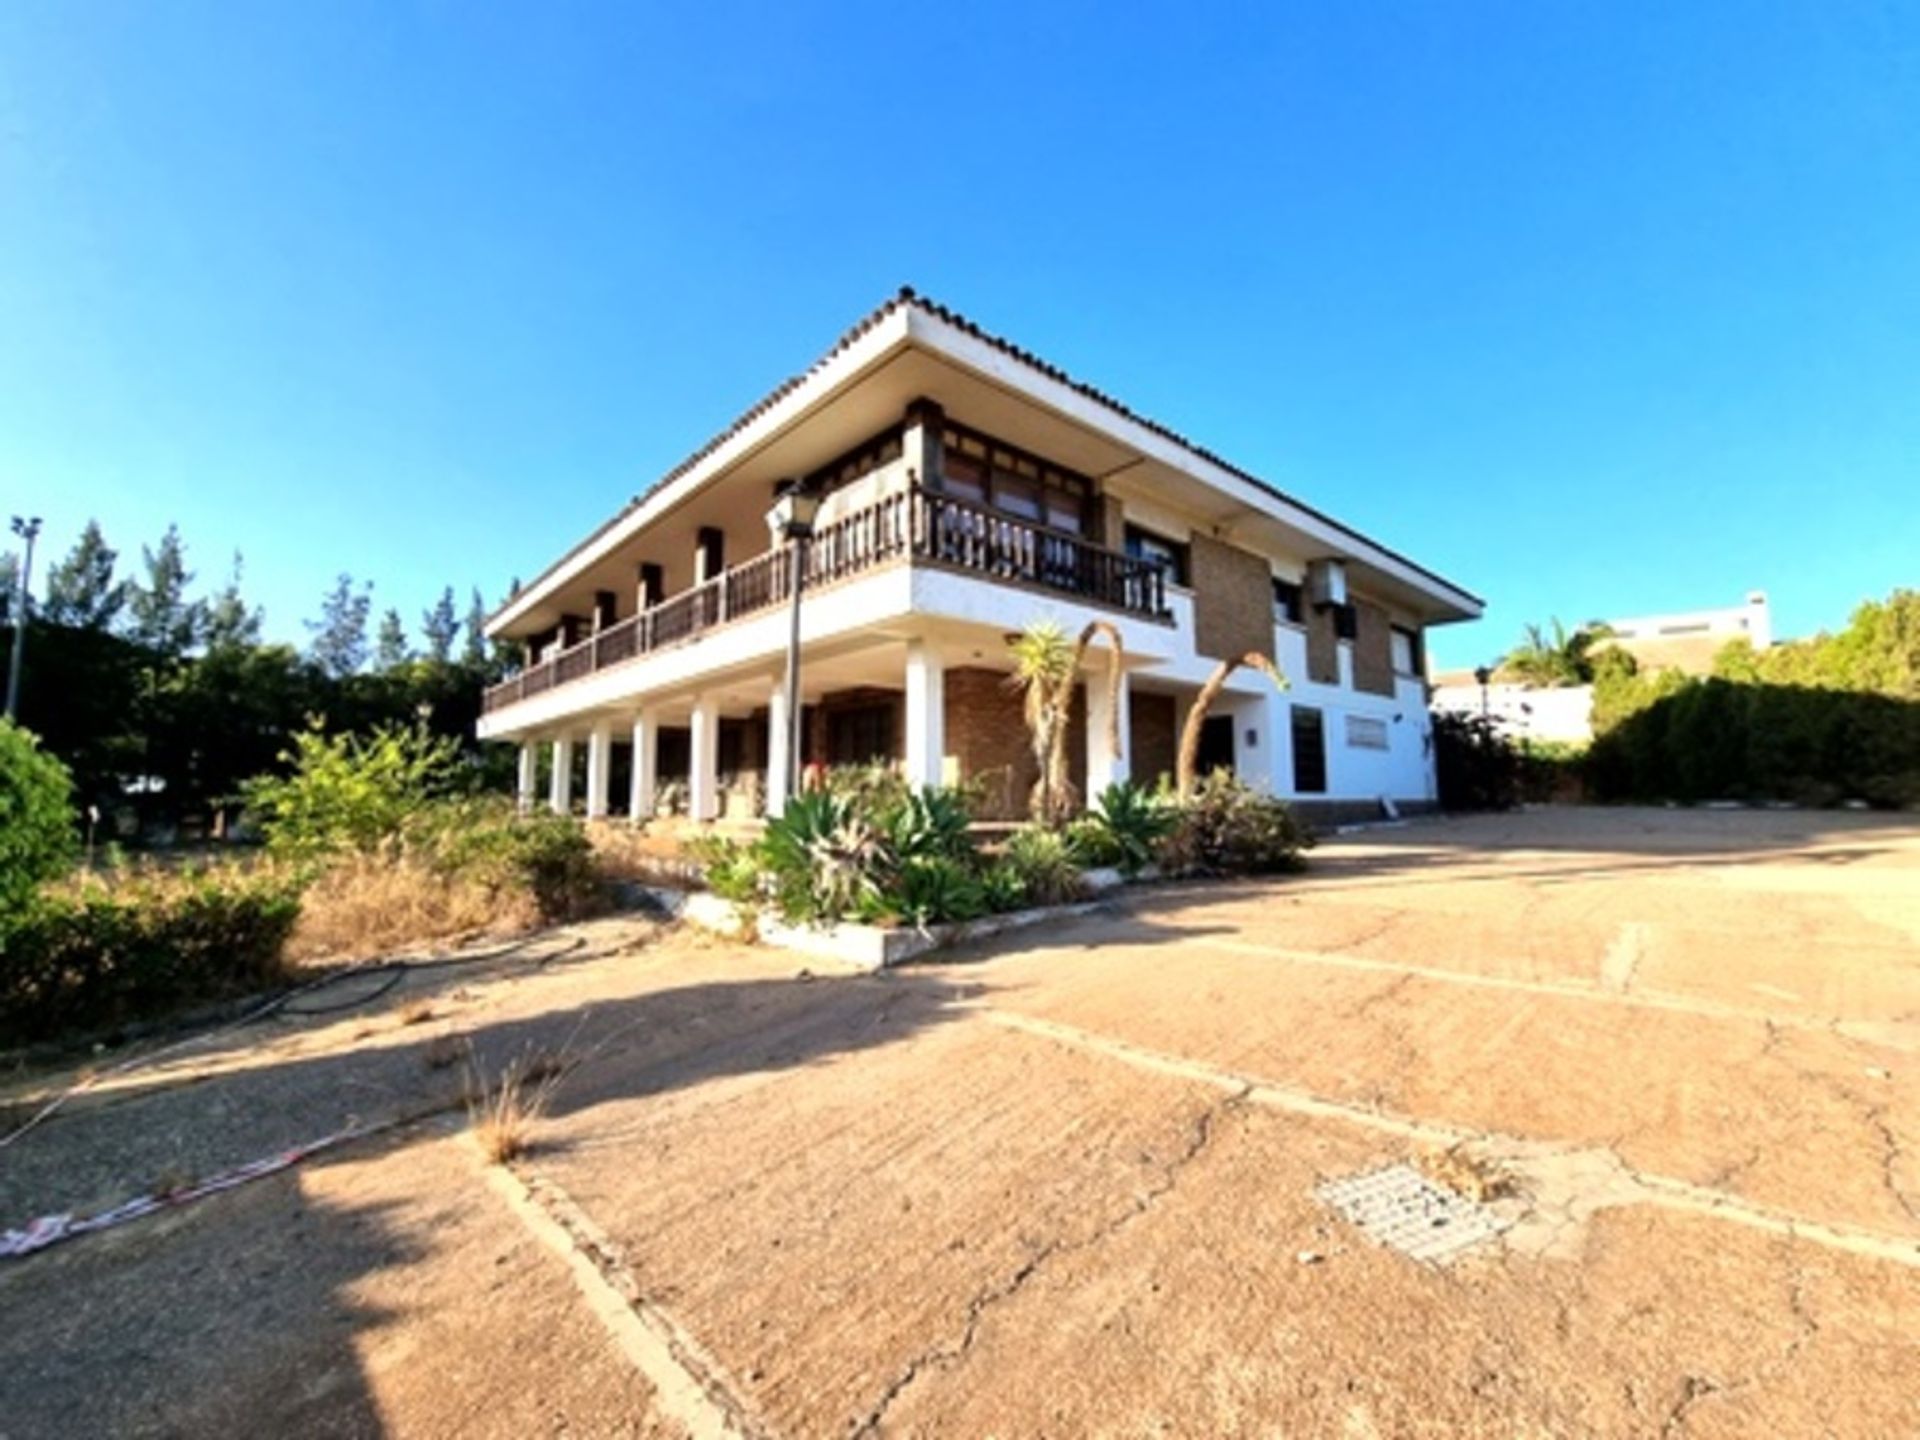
(1400, 1207)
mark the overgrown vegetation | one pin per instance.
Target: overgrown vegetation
(373, 844)
(107, 949)
(1225, 828)
(883, 854)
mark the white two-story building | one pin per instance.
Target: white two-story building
(968, 488)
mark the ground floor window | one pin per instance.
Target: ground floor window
(860, 734)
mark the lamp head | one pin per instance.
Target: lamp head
(793, 513)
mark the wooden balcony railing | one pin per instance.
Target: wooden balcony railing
(930, 527)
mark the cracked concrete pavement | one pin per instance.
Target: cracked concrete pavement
(1061, 1186)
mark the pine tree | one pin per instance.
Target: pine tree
(9, 585)
(159, 615)
(390, 649)
(80, 589)
(474, 653)
(230, 622)
(440, 627)
(340, 634)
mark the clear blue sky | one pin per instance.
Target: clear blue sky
(1597, 309)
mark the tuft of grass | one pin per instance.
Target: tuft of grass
(504, 1114)
(1473, 1176)
(417, 1013)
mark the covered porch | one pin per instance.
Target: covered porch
(938, 708)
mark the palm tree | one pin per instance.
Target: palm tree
(1189, 758)
(1046, 668)
(1560, 660)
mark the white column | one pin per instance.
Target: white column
(703, 777)
(646, 755)
(926, 715)
(1279, 767)
(1104, 768)
(599, 768)
(525, 778)
(780, 759)
(560, 782)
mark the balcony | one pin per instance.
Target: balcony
(916, 525)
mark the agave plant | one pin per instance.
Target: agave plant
(825, 856)
(1130, 823)
(1046, 668)
(929, 824)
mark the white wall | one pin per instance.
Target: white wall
(1562, 714)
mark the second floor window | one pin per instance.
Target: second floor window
(986, 472)
(1171, 556)
(856, 464)
(1288, 600)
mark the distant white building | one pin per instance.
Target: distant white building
(1687, 641)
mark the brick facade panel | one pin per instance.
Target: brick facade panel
(1372, 649)
(987, 737)
(1154, 721)
(1232, 600)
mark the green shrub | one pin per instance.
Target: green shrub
(1476, 766)
(37, 837)
(928, 890)
(1002, 889)
(1124, 828)
(101, 954)
(351, 792)
(873, 789)
(730, 868)
(546, 855)
(1042, 864)
(1224, 828)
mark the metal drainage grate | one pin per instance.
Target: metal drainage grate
(1401, 1208)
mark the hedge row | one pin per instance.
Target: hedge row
(1719, 739)
(98, 956)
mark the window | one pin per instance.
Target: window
(977, 468)
(1170, 555)
(1346, 622)
(861, 461)
(1309, 751)
(1406, 651)
(1289, 600)
(1366, 732)
(860, 734)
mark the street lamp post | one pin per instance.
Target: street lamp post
(791, 519)
(1483, 675)
(28, 530)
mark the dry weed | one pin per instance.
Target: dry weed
(365, 905)
(504, 1115)
(1475, 1177)
(417, 1012)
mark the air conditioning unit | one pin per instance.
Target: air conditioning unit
(1326, 583)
